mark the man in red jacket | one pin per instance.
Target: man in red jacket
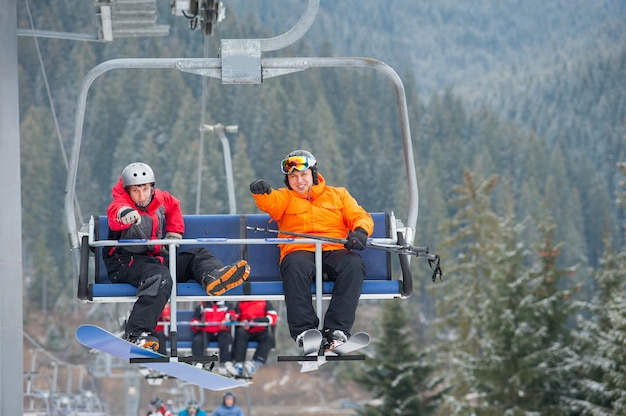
(141, 211)
(309, 205)
(256, 319)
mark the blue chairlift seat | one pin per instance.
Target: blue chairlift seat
(264, 282)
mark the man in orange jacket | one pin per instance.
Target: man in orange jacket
(308, 205)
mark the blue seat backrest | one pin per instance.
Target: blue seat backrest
(196, 226)
(101, 233)
(263, 258)
(378, 262)
(215, 226)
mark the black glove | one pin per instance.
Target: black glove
(262, 320)
(357, 239)
(260, 187)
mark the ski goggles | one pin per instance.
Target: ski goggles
(299, 163)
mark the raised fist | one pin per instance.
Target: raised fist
(260, 187)
(129, 216)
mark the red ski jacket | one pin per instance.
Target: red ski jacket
(261, 311)
(162, 215)
(220, 311)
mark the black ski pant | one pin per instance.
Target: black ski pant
(264, 340)
(344, 267)
(224, 341)
(151, 276)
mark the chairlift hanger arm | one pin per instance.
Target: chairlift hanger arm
(208, 13)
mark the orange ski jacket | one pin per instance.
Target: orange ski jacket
(325, 211)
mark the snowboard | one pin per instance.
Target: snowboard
(102, 340)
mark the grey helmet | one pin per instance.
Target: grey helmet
(137, 173)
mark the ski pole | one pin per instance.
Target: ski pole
(434, 261)
(394, 248)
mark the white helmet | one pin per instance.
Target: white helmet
(137, 174)
(299, 160)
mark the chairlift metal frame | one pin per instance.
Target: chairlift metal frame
(241, 62)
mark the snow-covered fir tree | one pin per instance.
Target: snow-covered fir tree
(400, 373)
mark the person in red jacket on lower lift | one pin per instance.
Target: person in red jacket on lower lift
(261, 318)
(210, 322)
